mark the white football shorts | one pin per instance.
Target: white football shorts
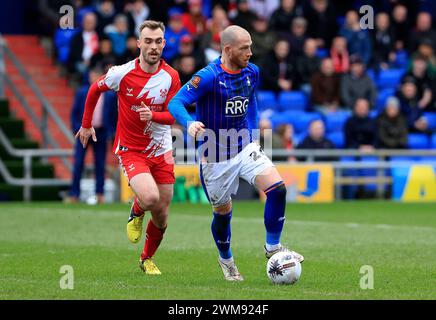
(220, 180)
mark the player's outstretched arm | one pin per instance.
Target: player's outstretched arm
(177, 108)
(86, 130)
(192, 91)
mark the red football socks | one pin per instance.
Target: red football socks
(137, 210)
(154, 236)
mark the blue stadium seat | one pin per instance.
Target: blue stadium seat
(322, 53)
(266, 100)
(401, 59)
(337, 138)
(289, 117)
(373, 114)
(418, 141)
(431, 119)
(370, 73)
(301, 123)
(433, 141)
(382, 97)
(62, 38)
(335, 121)
(292, 101)
(340, 20)
(389, 78)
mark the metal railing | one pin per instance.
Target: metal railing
(27, 182)
(342, 178)
(381, 163)
(47, 109)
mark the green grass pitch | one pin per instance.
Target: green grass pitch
(398, 240)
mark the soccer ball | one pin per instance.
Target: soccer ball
(283, 268)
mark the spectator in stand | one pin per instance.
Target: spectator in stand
(213, 51)
(392, 130)
(297, 37)
(244, 17)
(105, 12)
(104, 58)
(316, 140)
(186, 68)
(325, 83)
(321, 17)
(136, 12)
(360, 128)
(118, 33)
(187, 48)
(132, 50)
(218, 22)
(383, 42)
(278, 73)
(282, 138)
(263, 8)
(423, 30)
(425, 50)
(401, 27)
(83, 46)
(282, 18)
(357, 84)
(193, 20)
(358, 40)
(173, 33)
(409, 104)
(419, 72)
(215, 26)
(307, 64)
(263, 40)
(339, 55)
(104, 123)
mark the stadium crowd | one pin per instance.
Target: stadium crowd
(325, 81)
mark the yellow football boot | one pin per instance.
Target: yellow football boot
(149, 267)
(134, 227)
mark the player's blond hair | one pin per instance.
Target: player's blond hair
(152, 24)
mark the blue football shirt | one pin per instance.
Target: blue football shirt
(226, 104)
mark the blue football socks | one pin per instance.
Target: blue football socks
(221, 232)
(274, 215)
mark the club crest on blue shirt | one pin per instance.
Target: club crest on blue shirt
(195, 81)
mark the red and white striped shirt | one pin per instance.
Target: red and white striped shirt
(134, 86)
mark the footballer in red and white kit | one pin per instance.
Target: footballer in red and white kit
(143, 141)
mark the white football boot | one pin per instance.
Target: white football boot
(230, 271)
(269, 254)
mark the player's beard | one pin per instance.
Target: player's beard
(151, 60)
(239, 62)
